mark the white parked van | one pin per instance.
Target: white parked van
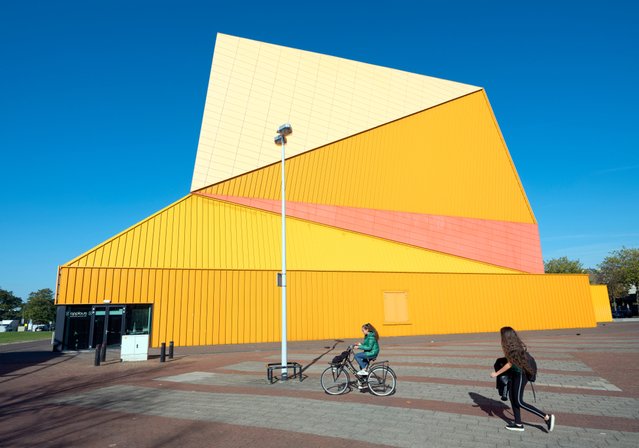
(8, 325)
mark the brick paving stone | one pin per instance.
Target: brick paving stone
(553, 402)
(543, 379)
(463, 373)
(542, 344)
(444, 397)
(546, 351)
(330, 417)
(573, 366)
(463, 354)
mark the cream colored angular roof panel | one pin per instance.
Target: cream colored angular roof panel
(255, 87)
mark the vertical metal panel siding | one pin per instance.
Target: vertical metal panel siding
(193, 233)
(601, 303)
(405, 165)
(203, 307)
(438, 303)
(190, 307)
(204, 233)
(333, 98)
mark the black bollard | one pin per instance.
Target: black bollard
(163, 352)
(96, 361)
(171, 350)
(103, 352)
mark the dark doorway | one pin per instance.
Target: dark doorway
(77, 327)
(107, 325)
(87, 326)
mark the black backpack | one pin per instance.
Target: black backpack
(339, 358)
(532, 376)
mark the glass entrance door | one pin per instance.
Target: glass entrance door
(77, 327)
(107, 325)
(114, 326)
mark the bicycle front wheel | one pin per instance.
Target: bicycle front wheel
(335, 380)
(382, 381)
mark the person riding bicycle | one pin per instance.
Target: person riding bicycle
(370, 348)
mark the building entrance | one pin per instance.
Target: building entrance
(89, 325)
(107, 325)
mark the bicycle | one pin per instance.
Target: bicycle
(381, 379)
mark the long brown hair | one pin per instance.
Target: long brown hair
(370, 328)
(514, 349)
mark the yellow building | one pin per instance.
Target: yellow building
(404, 209)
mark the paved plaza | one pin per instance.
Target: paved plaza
(219, 396)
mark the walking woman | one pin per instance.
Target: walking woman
(517, 367)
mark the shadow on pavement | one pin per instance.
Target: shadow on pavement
(328, 350)
(28, 408)
(35, 356)
(12, 361)
(490, 407)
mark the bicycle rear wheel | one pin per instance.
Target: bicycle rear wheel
(382, 381)
(335, 380)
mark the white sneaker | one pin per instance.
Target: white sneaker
(362, 372)
(550, 423)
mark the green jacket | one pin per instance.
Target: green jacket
(370, 345)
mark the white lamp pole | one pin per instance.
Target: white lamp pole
(280, 139)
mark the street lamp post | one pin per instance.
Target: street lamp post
(280, 140)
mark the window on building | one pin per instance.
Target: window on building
(396, 307)
(138, 319)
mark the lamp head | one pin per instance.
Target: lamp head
(285, 130)
(280, 140)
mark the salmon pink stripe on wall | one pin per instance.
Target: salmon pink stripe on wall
(508, 244)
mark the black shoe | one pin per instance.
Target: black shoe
(504, 398)
(514, 427)
(550, 423)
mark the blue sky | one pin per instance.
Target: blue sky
(102, 102)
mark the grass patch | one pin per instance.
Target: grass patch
(24, 336)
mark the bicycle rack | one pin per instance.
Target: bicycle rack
(296, 367)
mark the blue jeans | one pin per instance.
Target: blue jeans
(362, 359)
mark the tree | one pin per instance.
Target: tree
(10, 305)
(620, 270)
(40, 307)
(563, 265)
(630, 262)
(595, 276)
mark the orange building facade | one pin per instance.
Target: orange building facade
(404, 209)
